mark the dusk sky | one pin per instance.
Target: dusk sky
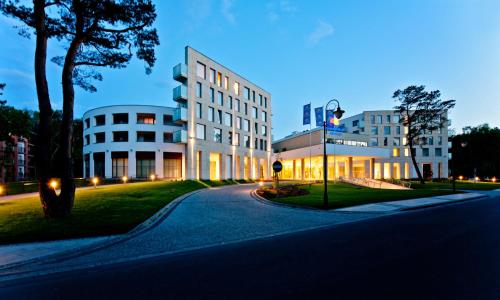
(359, 52)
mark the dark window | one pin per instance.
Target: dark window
(168, 137)
(168, 120)
(120, 136)
(121, 118)
(99, 163)
(100, 120)
(87, 139)
(100, 137)
(145, 164)
(145, 136)
(87, 123)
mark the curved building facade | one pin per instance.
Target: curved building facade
(136, 141)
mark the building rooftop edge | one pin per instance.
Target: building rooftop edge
(228, 68)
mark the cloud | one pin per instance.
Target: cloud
(226, 10)
(323, 29)
(277, 9)
(9, 74)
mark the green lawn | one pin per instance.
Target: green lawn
(343, 195)
(106, 210)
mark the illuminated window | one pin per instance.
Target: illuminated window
(145, 118)
(201, 70)
(236, 87)
(395, 152)
(407, 152)
(226, 82)
(219, 79)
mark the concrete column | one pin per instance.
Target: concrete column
(367, 168)
(159, 164)
(223, 166)
(183, 167)
(402, 170)
(391, 173)
(303, 171)
(372, 168)
(349, 167)
(108, 172)
(131, 164)
(91, 167)
(381, 170)
(205, 165)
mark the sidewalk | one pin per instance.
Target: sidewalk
(22, 252)
(394, 206)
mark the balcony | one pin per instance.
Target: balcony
(180, 72)
(180, 136)
(180, 93)
(180, 115)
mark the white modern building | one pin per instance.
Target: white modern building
(220, 129)
(373, 146)
(385, 131)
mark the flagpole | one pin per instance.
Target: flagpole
(310, 160)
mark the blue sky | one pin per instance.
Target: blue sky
(357, 51)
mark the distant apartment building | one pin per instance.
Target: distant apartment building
(14, 159)
(373, 145)
(385, 131)
(220, 129)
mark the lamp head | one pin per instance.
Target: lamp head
(338, 112)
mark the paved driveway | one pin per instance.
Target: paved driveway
(208, 218)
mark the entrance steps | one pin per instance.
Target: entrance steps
(373, 183)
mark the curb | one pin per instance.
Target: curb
(263, 200)
(147, 225)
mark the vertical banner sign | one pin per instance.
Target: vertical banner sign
(307, 114)
(331, 121)
(318, 111)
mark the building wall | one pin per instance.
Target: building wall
(132, 146)
(364, 123)
(16, 160)
(232, 156)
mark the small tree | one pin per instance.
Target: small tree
(97, 33)
(421, 112)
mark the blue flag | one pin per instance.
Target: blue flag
(318, 111)
(307, 114)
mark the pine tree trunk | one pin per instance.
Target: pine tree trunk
(48, 196)
(415, 164)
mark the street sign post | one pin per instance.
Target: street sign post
(277, 167)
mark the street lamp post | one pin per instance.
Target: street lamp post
(338, 112)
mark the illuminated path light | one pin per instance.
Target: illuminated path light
(95, 180)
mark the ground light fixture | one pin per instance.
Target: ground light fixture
(124, 179)
(261, 183)
(153, 177)
(95, 181)
(53, 184)
(494, 179)
(328, 120)
(1, 190)
(460, 177)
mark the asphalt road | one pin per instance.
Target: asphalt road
(446, 252)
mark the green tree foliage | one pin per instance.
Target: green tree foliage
(475, 152)
(96, 33)
(421, 112)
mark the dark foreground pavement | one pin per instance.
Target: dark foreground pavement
(446, 252)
